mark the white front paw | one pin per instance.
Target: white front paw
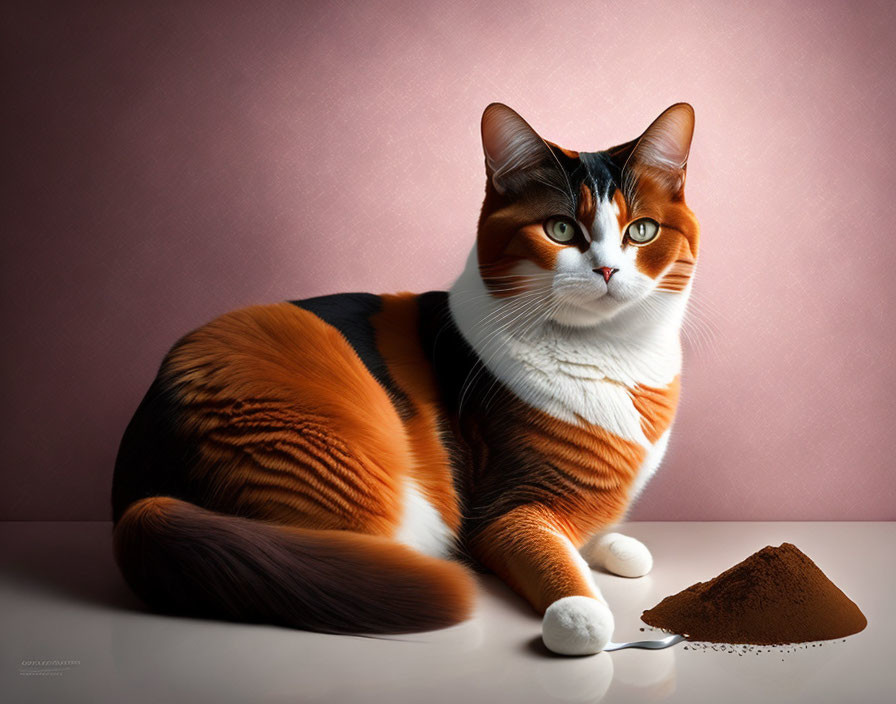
(623, 555)
(577, 625)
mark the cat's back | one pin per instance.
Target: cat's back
(319, 412)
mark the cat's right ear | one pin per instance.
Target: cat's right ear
(513, 150)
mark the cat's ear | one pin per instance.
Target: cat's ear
(663, 149)
(513, 150)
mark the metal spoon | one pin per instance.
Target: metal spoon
(646, 644)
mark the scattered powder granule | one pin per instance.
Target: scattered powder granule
(775, 596)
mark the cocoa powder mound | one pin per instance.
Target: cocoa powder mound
(775, 596)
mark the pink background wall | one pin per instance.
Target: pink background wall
(166, 162)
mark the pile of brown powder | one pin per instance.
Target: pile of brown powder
(775, 596)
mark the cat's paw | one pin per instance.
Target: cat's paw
(622, 555)
(577, 625)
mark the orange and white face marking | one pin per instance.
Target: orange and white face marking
(600, 272)
(603, 270)
(587, 208)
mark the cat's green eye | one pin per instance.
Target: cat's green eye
(560, 229)
(642, 231)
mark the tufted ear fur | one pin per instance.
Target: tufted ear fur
(662, 151)
(514, 153)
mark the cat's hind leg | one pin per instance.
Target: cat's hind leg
(620, 554)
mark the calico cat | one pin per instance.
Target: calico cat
(338, 464)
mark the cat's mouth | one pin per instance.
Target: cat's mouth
(581, 304)
(586, 298)
(585, 310)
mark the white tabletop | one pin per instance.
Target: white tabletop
(71, 632)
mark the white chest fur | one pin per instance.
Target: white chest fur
(422, 527)
(576, 374)
(651, 463)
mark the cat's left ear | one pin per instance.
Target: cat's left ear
(662, 151)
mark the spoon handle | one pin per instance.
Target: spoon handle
(646, 644)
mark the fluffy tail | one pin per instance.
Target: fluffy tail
(181, 558)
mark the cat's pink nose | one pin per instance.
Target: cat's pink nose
(606, 271)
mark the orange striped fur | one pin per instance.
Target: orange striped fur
(287, 454)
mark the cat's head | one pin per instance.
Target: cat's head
(586, 234)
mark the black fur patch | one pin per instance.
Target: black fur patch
(600, 171)
(603, 173)
(463, 382)
(153, 458)
(350, 314)
(453, 360)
